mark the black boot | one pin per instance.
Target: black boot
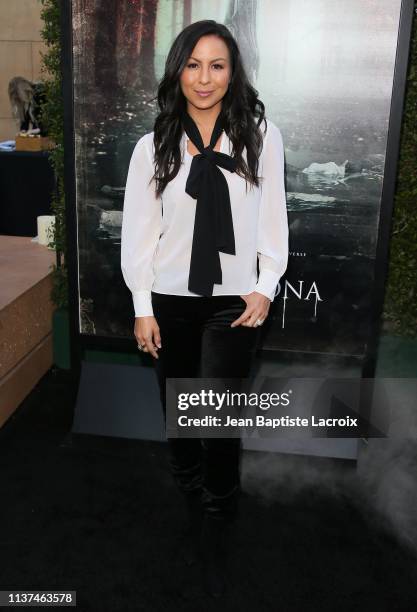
(215, 535)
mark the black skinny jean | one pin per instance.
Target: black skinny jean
(197, 341)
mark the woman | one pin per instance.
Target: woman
(197, 219)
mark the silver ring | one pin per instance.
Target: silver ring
(140, 347)
(259, 322)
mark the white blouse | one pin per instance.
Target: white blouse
(157, 233)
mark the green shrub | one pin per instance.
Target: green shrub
(52, 116)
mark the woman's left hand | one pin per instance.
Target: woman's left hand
(257, 307)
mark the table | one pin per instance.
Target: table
(26, 183)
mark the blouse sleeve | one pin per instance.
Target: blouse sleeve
(141, 228)
(272, 244)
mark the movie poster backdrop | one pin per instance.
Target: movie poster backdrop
(324, 71)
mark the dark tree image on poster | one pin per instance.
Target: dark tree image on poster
(324, 71)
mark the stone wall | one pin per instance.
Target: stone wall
(20, 46)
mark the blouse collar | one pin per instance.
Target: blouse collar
(224, 148)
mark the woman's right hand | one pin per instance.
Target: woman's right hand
(147, 335)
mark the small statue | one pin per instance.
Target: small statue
(26, 99)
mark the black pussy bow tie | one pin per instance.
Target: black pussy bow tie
(213, 225)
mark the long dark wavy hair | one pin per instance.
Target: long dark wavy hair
(240, 105)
